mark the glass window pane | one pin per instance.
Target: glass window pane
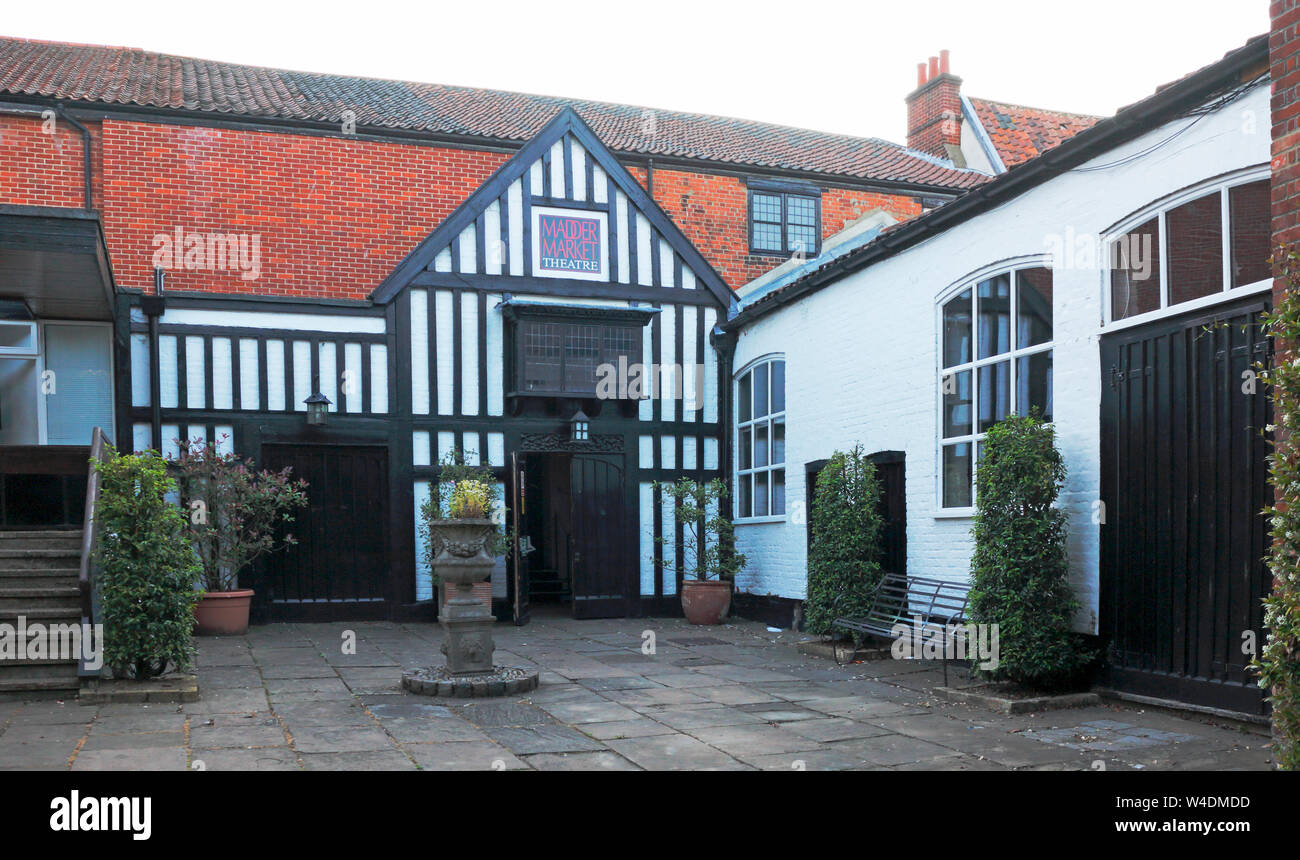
(767, 207)
(1033, 307)
(746, 448)
(956, 330)
(80, 359)
(956, 403)
(1034, 383)
(542, 356)
(1135, 271)
(1195, 249)
(956, 475)
(778, 492)
(801, 210)
(767, 237)
(994, 333)
(778, 387)
(778, 443)
(760, 444)
(760, 494)
(760, 391)
(995, 393)
(742, 394)
(743, 484)
(801, 240)
(1249, 220)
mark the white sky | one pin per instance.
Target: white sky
(837, 66)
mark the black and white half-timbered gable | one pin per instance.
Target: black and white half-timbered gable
(557, 327)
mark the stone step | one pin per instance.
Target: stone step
(23, 600)
(69, 682)
(44, 615)
(28, 559)
(40, 577)
(64, 540)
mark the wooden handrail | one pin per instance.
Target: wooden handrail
(99, 445)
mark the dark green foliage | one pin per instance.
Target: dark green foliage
(1019, 570)
(844, 561)
(1279, 660)
(454, 469)
(708, 538)
(147, 568)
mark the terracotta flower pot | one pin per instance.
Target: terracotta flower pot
(222, 613)
(706, 601)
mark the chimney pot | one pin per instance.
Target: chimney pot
(943, 62)
(920, 74)
(934, 67)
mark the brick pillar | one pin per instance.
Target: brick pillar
(934, 109)
(1284, 62)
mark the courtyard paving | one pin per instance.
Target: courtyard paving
(626, 694)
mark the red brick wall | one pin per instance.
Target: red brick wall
(332, 216)
(713, 213)
(45, 169)
(1284, 58)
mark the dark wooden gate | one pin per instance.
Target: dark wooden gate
(1183, 481)
(600, 537)
(339, 569)
(891, 471)
(515, 505)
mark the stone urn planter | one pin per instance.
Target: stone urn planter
(706, 601)
(222, 613)
(460, 559)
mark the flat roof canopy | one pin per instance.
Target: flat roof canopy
(55, 261)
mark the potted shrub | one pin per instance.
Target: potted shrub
(844, 559)
(233, 515)
(1019, 569)
(709, 556)
(146, 568)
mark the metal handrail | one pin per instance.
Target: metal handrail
(99, 445)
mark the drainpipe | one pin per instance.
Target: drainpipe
(153, 307)
(650, 177)
(85, 152)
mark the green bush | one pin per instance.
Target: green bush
(1019, 570)
(844, 560)
(147, 568)
(1279, 660)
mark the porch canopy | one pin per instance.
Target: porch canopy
(55, 261)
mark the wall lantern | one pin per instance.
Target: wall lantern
(318, 407)
(580, 427)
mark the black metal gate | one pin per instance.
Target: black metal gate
(600, 559)
(1183, 481)
(339, 569)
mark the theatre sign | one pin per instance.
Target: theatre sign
(570, 243)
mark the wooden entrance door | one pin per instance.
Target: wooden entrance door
(339, 569)
(1183, 481)
(600, 549)
(516, 504)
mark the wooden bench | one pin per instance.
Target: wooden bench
(899, 599)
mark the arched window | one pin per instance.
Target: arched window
(995, 360)
(760, 440)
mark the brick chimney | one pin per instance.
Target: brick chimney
(934, 110)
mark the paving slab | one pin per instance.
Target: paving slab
(674, 752)
(584, 761)
(638, 728)
(472, 755)
(526, 740)
(746, 742)
(366, 761)
(260, 758)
